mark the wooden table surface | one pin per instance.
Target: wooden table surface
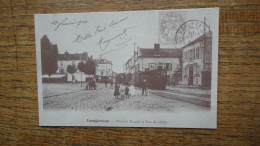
(238, 77)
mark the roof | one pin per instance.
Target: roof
(162, 53)
(67, 56)
(128, 60)
(102, 61)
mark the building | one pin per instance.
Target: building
(197, 59)
(145, 59)
(129, 66)
(103, 69)
(71, 59)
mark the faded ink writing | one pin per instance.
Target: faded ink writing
(67, 22)
(104, 43)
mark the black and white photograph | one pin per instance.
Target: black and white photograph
(153, 68)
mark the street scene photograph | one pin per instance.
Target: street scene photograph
(144, 61)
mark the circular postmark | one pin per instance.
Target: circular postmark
(189, 31)
(168, 25)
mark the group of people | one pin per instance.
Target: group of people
(124, 91)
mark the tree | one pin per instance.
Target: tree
(90, 67)
(71, 69)
(49, 56)
(81, 68)
(128, 78)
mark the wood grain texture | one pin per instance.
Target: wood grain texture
(238, 82)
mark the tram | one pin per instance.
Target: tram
(156, 79)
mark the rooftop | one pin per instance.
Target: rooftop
(102, 61)
(67, 56)
(160, 53)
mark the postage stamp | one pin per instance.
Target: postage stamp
(155, 68)
(169, 23)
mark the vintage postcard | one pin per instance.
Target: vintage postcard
(154, 68)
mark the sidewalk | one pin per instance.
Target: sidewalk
(193, 99)
(190, 94)
(192, 90)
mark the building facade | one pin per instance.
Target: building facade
(71, 59)
(147, 59)
(129, 66)
(197, 59)
(103, 69)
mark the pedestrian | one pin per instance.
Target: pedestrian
(122, 91)
(144, 87)
(106, 82)
(126, 92)
(111, 84)
(148, 92)
(131, 90)
(116, 92)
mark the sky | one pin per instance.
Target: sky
(114, 35)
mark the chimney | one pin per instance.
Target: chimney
(156, 48)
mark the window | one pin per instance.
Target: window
(200, 52)
(186, 57)
(190, 54)
(152, 66)
(168, 66)
(193, 53)
(164, 65)
(160, 66)
(61, 63)
(207, 67)
(197, 53)
(185, 74)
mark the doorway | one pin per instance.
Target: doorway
(190, 81)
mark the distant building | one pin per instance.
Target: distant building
(71, 59)
(103, 69)
(197, 59)
(156, 58)
(129, 66)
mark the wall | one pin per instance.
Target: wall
(238, 81)
(144, 62)
(63, 64)
(105, 68)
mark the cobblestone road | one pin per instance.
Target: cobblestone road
(74, 97)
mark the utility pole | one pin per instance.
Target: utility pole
(134, 63)
(81, 71)
(134, 57)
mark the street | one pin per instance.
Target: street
(74, 97)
